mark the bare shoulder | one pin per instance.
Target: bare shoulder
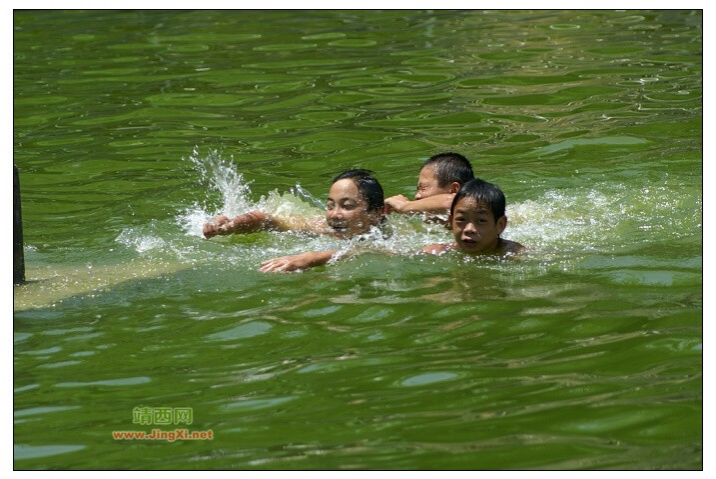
(510, 248)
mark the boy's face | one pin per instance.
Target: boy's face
(428, 184)
(347, 211)
(475, 228)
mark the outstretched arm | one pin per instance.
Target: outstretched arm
(246, 223)
(298, 262)
(432, 204)
(260, 221)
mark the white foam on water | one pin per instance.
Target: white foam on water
(600, 217)
(140, 239)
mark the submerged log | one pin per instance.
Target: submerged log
(18, 274)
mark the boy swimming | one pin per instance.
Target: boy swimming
(477, 218)
(354, 206)
(440, 178)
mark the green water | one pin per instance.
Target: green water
(131, 128)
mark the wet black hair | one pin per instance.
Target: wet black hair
(482, 192)
(450, 167)
(369, 187)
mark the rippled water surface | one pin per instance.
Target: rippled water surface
(132, 128)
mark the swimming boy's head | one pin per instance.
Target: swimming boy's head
(355, 203)
(477, 217)
(443, 173)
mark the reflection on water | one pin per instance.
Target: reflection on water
(133, 128)
(47, 286)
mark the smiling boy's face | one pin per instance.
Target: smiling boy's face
(428, 184)
(475, 228)
(347, 211)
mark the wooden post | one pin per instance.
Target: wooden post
(18, 274)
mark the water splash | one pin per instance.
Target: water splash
(299, 192)
(223, 177)
(219, 177)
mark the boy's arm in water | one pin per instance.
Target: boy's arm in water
(432, 204)
(310, 259)
(298, 262)
(437, 248)
(260, 221)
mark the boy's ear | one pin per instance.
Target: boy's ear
(501, 225)
(454, 187)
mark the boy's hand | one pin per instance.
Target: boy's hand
(297, 262)
(287, 263)
(214, 226)
(397, 204)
